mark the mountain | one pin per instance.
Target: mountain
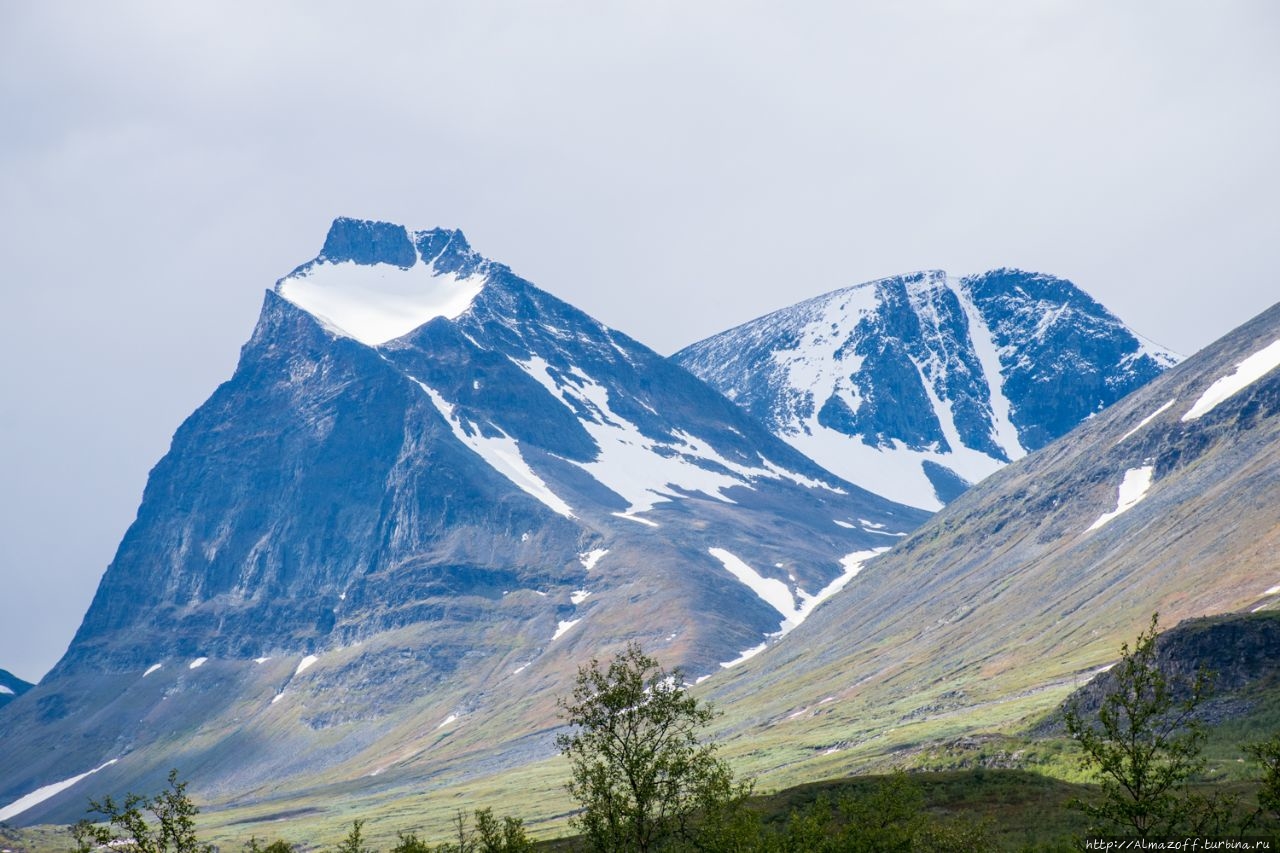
(991, 612)
(378, 553)
(11, 687)
(919, 385)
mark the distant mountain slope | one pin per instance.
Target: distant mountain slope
(918, 385)
(1019, 590)
(427, 494)
(11, 687)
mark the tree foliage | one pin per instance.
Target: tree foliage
(886, 817)
(1267, 754)
(1144, 746)
(354, 842)
(489, 835)
(128, 829)
(643, 778)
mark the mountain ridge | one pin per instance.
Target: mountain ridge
(370, 558)
(1024, 586)
(919, 384)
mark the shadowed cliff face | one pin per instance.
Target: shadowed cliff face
(1238, 654)
(916, 385)
(358, 537)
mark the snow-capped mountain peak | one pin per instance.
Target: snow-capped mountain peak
(938, 380)
(376, 281)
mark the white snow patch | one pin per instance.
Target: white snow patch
(39, 795)
(984, 345)
(563, 627)
(1246, 373)
(579, 595)
(446, 721)
(8, 692)
(197, 663)
(845, 524)
(1275, 590)
(1148, 419)
(828, 699)
(636, 518)
(590, 558)
(151, 669)
(777, 595)
(772, 592)
(748, 654)
(305, 664)
(813, 368)
(376, 303)
(277, 697)
(261, 660)
(852, 564)
(1132, 490)
(645, 471)
(501, 452)
(520, 668)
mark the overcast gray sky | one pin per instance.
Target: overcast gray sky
(673, 168)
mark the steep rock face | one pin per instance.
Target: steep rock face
(429, 491)
(296, 479)
(1062, 355)
(916, 385)
(1020, 590)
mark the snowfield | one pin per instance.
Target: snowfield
(376, 303)
(39, 795)
(305, 664)
(1132, 490)
(563, 627)
(1246, 373)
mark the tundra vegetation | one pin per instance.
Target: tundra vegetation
(645, 780)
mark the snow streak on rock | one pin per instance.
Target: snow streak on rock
(39, 795)
(1132, 490)
(501, 452)
(1148, 419)
(1246, 373)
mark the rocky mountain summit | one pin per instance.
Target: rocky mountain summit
(917, 386)
(429, 491)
